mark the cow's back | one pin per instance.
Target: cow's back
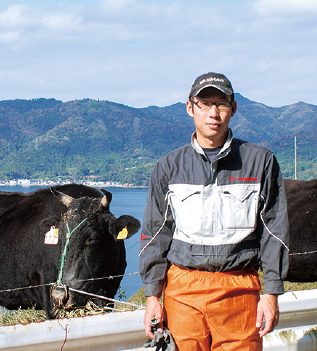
(302, 213)
(21, 211)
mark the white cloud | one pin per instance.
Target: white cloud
(22, 25)
(10, 36)
(285, 6)
(14, 15)
(60, 21)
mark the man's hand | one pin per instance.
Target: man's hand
(153, 310)
(268, 308)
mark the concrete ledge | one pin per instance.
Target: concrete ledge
(297, 330)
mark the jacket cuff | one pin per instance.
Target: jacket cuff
(153, 290)
(274, 287)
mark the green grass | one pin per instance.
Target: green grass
(22, 316)
(299, 286)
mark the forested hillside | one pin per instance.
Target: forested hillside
(46, 138)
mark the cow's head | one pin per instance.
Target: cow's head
(95, 251)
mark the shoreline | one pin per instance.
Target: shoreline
(87, 183)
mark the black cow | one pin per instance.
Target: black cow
(302, 213)
(94, 250)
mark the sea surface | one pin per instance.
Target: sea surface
(125, 201)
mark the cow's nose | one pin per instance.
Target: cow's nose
(59, 295)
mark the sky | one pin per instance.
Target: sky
(148, 52)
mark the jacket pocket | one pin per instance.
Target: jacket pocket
(239, 206)
(187, 207)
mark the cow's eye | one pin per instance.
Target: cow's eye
(92, 240)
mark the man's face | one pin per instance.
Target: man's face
(211, 125)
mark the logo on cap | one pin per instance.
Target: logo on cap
(211, 79)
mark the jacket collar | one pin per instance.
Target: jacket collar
(226, 147)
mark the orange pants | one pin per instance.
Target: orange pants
(212, 311)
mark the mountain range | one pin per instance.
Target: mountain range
(103, 140)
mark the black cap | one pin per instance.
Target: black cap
(211, 80)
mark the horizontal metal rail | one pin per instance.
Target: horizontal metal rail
(297, 330)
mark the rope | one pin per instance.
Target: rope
(137, 243)
(302, 253)
(79, 280)
(68, 235)
(105, 298)
(109, 277)
(25, 287)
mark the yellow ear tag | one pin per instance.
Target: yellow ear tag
(55, 234)
(123, 233)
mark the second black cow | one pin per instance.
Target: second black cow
(69, 237)
(302, 213)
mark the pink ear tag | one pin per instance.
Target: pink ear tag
(51, 237)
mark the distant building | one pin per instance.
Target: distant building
(23, 182)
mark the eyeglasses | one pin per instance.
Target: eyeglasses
(207, 105)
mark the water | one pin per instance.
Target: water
(125, 201)
(131, 202)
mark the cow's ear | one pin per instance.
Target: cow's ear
(50, 221)
(126, 226)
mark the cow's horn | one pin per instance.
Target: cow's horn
(105, 201)
(63, 198)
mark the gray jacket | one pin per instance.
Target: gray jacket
(226, 215)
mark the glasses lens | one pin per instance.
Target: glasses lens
(204, 106)
(223, 106)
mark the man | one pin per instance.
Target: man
(215, 212)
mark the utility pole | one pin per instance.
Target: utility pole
(295, 142)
